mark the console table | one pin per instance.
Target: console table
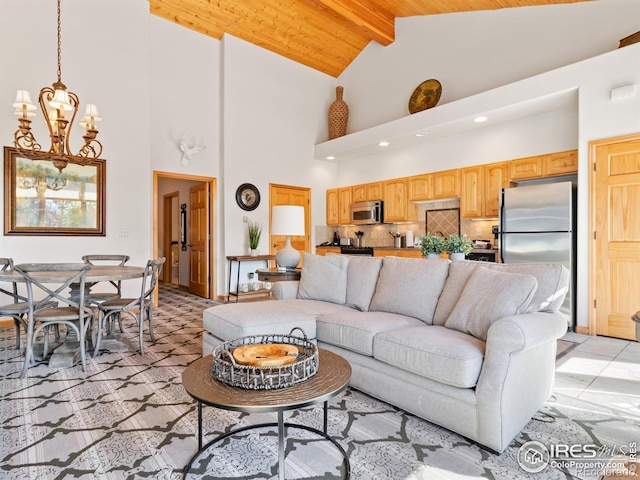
(275, 275)
(245, 258)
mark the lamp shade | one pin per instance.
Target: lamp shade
(287, 220)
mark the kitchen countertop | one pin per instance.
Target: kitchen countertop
(475, 250)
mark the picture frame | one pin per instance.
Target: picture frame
(40, 200)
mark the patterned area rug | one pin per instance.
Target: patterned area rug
(128, 417)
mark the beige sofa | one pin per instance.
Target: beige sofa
(467, 345)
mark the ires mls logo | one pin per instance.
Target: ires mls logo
(533, 457)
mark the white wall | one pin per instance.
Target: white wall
(474, 52)
(105, 61)
(274, 112)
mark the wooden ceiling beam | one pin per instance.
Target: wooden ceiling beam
(374, 22)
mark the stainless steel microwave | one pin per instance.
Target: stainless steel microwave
(367, 213)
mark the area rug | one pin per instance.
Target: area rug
(128, 417)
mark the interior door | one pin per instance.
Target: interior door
(617, 235)
(199, 240)
(289, 195)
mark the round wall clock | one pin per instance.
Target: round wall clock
(247, 197)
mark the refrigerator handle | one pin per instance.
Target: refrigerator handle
(501, 224)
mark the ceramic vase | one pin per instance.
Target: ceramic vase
(456, 256)
(433, 255)
(254, 252)
(338, 115)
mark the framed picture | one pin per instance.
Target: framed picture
(40, 200)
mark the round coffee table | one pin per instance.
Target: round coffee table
(333, 375)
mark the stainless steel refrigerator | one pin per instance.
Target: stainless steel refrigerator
(537, 226)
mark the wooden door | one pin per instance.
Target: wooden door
(420, 187)
(290, 195)
(496, 177)
(525, 168)
(446, 184)
(395, 196)
(344, 206)
(617, 235)
(332, 207)
(198, 234)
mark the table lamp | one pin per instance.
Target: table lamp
(287, 220)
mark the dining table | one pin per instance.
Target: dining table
(68, 352)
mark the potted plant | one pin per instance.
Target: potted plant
(432, 245)
(457, 246)
(255, 230)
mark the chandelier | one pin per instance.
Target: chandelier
(59, 108)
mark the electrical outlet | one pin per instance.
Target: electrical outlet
(124, 232)
(245, 219)
(478, 231)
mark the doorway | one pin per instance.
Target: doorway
(291, 195)
(191, 200)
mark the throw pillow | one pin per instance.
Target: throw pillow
(323, 278)
(488, 296)
(410, 286)
(362, 276)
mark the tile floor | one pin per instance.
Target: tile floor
(602, 370)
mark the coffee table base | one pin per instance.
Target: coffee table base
(281, 437)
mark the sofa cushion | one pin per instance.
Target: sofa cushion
(355, 330)
(488, 296)
(433, 352)
(324, 278)
(362, 276)
(553, 284)
(235, 320)
(410, 286)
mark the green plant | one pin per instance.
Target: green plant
(458, 244)
(255, 230)
(432, 244)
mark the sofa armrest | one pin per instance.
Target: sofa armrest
(286, 289)
(517, 373)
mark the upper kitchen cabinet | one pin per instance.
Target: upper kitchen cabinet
(549, 165)
(471, 192)
(396, 201)
(332, 207)
(421, 188)
(446, 184)
(344, 205)
(561, 163)
(366, 192)
(496, 177)
(480, 189)
(524, 168)
(338, 206)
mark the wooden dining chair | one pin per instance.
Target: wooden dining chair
(19, 308)
(140, 308)
(49, 282)
(95, 298)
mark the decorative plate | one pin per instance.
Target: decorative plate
(426, 95)
(247, 197)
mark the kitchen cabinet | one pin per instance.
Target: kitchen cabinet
(344, 205)
(421, 188)
(549, 165)
(561, 163)
(338, 206)
(366, 192)
(496, 177)
(524, 168)
(480, 189)
(332, 206)
(446, 184)
(471, 192)
(396, 201)
(397, 252)
(325, 250)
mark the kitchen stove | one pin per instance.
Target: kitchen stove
(351, 250)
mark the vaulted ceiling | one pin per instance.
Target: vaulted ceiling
(323, 34)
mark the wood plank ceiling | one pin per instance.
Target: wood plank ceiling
(323, 34)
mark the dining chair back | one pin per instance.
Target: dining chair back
(139, 308)
(95, 298)
(47, 283)
(18, 308)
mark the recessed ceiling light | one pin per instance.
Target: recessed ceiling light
(421, 134)
(384, 144)
(480, 119)
(331, 157)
